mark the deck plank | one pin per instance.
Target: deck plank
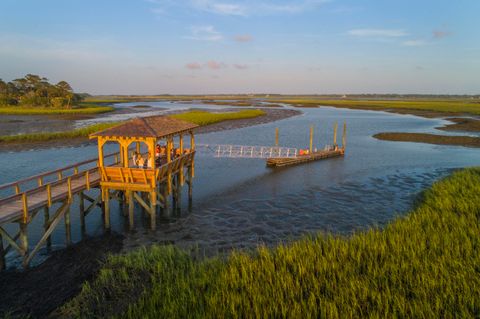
(13, 210)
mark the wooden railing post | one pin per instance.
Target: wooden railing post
(17, 189)
(87, 180)
(69, 184)
(25, 207)
(49, 195)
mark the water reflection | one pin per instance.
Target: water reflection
(240, 202)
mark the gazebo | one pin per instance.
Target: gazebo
(149, 185)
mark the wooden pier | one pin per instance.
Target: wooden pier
(311, 155)
(115, 175)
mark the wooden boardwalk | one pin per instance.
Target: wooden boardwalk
(39, 193)
(22, 205)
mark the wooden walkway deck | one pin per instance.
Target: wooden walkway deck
(22, 205)
(287, 161)
(33, 194)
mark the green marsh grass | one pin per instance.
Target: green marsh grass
(452, 106)
(197, 117)
(423, 265)
(207, 118)
(82, 108)
(48, 136)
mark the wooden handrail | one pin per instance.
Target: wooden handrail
(59, 170)
(47, 186)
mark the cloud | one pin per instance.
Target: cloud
(378, 33)
(214, 65)
(243, 38)
(193, 66)
(439, 34)
(414, 43)
(242, 8)
(240, 66)
(204, 33)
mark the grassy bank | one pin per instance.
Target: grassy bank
(207, 118)
(81, 109)
(42, 137)
(197, 117)
(467, 141)
(423, 265)
(462, 125)
(426, 106)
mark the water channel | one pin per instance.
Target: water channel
(240, 203)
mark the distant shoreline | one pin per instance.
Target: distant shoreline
(270, 116)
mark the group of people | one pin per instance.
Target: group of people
(160, 157)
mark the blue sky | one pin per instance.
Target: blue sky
(223, 46)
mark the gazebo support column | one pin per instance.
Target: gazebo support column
(106, 201)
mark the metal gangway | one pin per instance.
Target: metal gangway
(245, 151)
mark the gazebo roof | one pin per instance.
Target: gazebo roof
(152, 126)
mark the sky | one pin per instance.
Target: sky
(246, 46)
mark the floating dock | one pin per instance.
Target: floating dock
(328, 152)
(300, 159)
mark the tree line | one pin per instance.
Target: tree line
(35, 91)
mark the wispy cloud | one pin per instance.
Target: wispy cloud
(378, 33)
(243, 38)
(439, 34)
(193, 66)
(240, 8)
(215, 65)
(415, 43)
(204, 33)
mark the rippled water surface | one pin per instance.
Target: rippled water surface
(241, 203)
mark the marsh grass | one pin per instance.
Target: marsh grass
(424, 265)
(442, 106)
(207, 118)
(197, 117)
(44, 136)
(82, 108)
(467, 141)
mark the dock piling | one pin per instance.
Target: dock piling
(335, 128)
(276, 136)
(311, 139)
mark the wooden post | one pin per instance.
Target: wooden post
(137, 147)
(2, 255)
(311, 139)
(276, 136)
(181, 172)
(153, 209)
(100, 151)
(130, 209)
(82, 211)
(68, 228)
(25, 207)
(344, 135)
(40, 181)
(335, 127)
(23, 238)
(49, 195)
(17, 189)
(107, 208)
(46, 224)
(87, 180)
(59, 175)
(192, 147)
(69, 184)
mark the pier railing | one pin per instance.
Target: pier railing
(28, 184)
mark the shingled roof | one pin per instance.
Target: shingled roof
(152, 126)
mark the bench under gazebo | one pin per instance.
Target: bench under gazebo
(151, 184)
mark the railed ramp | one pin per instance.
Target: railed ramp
(246, 151)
